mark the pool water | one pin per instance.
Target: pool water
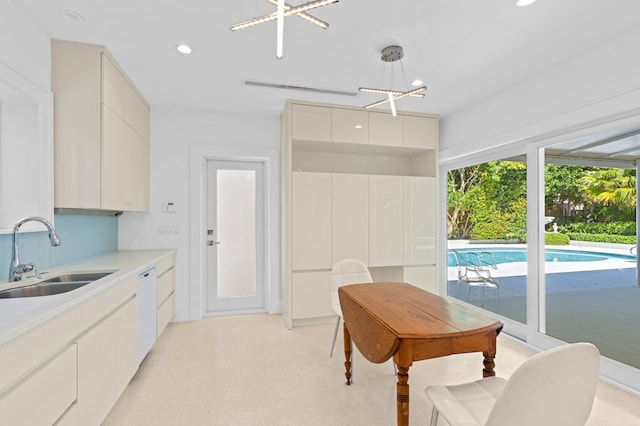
(509, 255)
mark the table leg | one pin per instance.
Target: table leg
(347, 353)
(489, 365)
(402, 391)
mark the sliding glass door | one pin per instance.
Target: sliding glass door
(486, 237)
(545, 238)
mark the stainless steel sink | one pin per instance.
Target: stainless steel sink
(55, 285)
(77, 277)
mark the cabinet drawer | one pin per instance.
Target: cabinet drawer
(54, 388)
(165, 264)
(166, 285)
(165, 313)
(30, 349)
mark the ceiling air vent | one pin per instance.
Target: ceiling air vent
(305, 89)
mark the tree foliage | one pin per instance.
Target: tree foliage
(488, 200)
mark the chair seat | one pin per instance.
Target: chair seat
(467, 404)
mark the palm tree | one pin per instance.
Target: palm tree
(611, 187)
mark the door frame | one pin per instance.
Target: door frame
(199, 155)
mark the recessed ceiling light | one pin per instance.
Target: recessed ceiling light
(417, 82)
(523, 3)
(358, 126)
(183, 48)
(70, 15)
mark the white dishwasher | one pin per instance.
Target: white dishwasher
(147, 308)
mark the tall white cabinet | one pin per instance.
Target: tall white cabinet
(355, 184)
(101, 132)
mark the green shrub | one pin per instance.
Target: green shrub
(556, 239)
(613, 228)
(603, 238)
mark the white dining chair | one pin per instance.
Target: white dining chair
(346, 271)
(553, 388)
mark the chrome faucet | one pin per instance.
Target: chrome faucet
(16, 269)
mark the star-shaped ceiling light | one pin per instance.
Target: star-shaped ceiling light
(283, 10)
(393, 54)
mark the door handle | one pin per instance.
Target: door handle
(213, 243)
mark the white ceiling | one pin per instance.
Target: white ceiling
(464, 50)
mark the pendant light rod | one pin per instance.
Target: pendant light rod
(289, 10)
(396, 97)
(303, 15)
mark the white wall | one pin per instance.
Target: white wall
(603, 81)
(24, 46)
(172, 133)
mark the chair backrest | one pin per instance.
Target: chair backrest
(554, 387)
(347, 271)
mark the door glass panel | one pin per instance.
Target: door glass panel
(487, 227)
(236, 226)
(591, 285)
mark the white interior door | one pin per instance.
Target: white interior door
(235, 237)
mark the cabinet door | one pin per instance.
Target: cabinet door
(420, 132)
(349, 126)
(423, 277)
(107, 360)
(419, 220)
(310, 123)
(75, 79)
(311, 220)
(113, 87)
(96, 374)
(45, 395)
(114, 139)
(349, 217)
(135, 164)
(385, 129)
(385, 220)
(125, 334)
(311, 294)
(136, 111)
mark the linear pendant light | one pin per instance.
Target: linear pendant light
(282, 11)
(392, 54)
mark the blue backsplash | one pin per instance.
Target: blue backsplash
(82, 236)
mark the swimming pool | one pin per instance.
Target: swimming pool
(515, 254)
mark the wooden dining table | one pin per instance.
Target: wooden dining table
(402, 321)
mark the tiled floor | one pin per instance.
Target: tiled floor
(251, 370)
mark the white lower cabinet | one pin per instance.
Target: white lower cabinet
(107, 360)
(311, 294)
(166, 297)
(423, 277)
(46, 395)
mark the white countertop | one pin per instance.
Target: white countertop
(20, 315)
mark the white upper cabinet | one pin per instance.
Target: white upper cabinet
(101, 132)
(311, 123)
(349, 126)
(26, 151)
(385, 129)
(420, 132)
